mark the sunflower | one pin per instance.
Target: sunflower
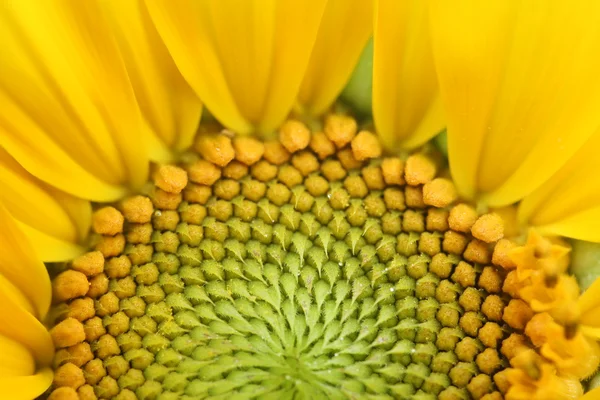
(190, 212)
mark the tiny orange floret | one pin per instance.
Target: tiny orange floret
(170, 178)
(81, 309)
(137, 209)
(203, 172)
(69, 375)
(215, 148)
(366, 145)
(419, 169)
(67, 333)
(235, 170)
(91, 263)
(489, 228)
(462, 217)
(517, 313)
(107, 221)
(294, 135)
(439, 192)
(64, 393)
(321, 145)
(86, 392)
(275, 153)
(69, 285)
(248, 150)
(393, 171)
(340, 129)
(349, 162)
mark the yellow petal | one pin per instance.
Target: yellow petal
(26, 387)
(245, 59)
(19, 264)
(589, 306)
(45, 212)
(406, 106)
(520, 90)
(69, 113)
(582, 226)
(343, 33)
(591, 395)
(568, 204)
(16, 359)
(19, 324)
(591, 332)
(50, 248)
(168, 104)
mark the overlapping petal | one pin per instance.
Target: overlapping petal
(25, 344)
(593, 394)
(168, 104)
(520, 90)
(16, 359)
(69, 113)
(244, 59)
(589, 306)
(406, 105)
(20, 266)
(26, 387)
(344, 30)
(568, 204)
(54, 221)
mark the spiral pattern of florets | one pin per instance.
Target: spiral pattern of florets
(306, 268)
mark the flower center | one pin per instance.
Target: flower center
(306, 268)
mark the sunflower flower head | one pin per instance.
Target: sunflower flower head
(311, 266)
(285, 246)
